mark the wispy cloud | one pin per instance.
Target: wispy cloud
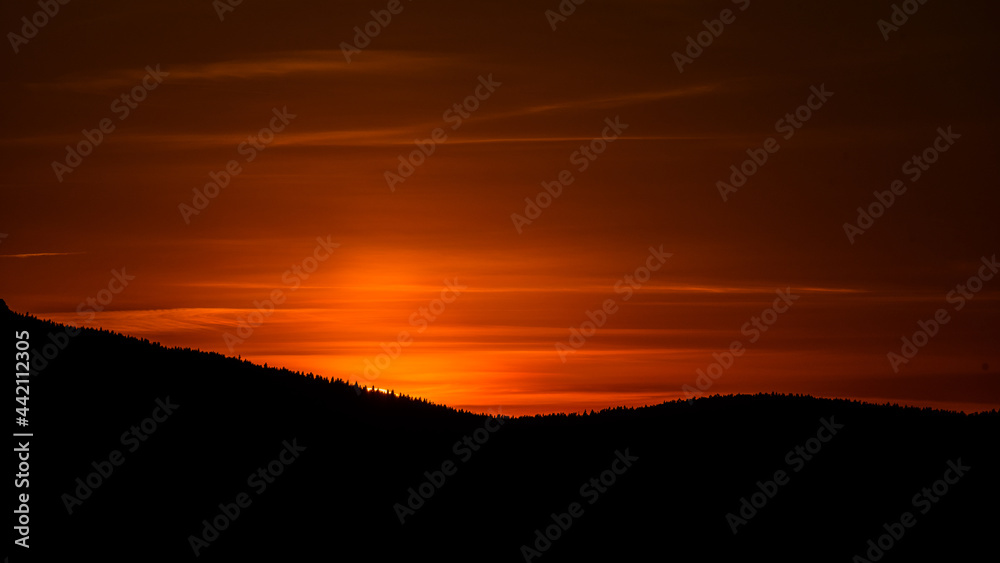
(37, 254)
(267, 66)
(611, 101)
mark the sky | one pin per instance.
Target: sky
(358, 190)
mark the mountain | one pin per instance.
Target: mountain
(145, 453)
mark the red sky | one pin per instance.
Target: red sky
(655, 185)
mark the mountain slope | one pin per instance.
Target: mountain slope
(338, 467)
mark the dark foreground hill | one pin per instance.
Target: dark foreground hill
(142, 453)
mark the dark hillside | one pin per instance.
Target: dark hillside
(681, 468)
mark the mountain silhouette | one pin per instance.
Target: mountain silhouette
(145, 453)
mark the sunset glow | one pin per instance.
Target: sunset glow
(436, 216)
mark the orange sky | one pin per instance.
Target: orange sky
(654, 185)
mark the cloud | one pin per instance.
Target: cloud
(37, 254)
(267, 66)
(613, 101)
